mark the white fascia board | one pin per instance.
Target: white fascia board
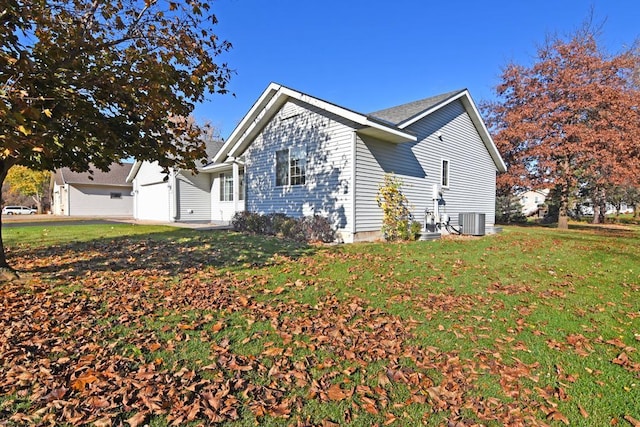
(387, 133)
(252, 129)
(274, 97)
(246, 121)
(470, 107)
(134, 171)
(216, 167)
(361, 119)
(436, 107)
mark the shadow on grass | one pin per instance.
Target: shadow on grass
(611, 240)
(168, 252)
(613, 230)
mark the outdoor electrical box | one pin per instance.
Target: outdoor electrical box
(471, 223)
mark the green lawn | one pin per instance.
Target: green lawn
(130, 325)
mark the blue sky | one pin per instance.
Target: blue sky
(370, 55)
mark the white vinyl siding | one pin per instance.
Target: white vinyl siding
(419, 165)
(324, 187)
(291, 164)
(97, 200)
(194, 197)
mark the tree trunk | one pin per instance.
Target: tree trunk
(563, 212)
(38, 201)
(6, 272)
(596, 214)
(599, 197)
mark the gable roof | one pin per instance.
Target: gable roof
(275, 96)
(116, 176)
(389, 124)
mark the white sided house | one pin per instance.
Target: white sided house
(93, 194)
(532, 200)
(299, 155)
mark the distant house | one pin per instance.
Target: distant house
(300, 155)
(532, 200)
(96, 194)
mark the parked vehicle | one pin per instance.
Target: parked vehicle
(18, 210)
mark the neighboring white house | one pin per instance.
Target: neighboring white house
(96, 194)
(532, 200)
(299, 155)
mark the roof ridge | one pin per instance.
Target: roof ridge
(404, 112)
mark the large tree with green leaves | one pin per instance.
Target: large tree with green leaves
(31, 183)
(84, 83)
(570, 120)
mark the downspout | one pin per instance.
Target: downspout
(354, 143)
(173, 194)
(68, 198)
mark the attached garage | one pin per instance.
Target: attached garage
(153, 202)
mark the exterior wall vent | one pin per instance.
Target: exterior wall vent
(472, 223)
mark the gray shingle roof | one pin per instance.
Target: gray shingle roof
(404, 112)
(117, 175)
(212, 147)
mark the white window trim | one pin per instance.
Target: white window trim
(224, 177)
(448, 175)
(289, 177)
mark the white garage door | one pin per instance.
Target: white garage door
(153, 202)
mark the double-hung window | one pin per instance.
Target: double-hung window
(226, 187)
(291, 165)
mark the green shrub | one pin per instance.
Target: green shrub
(415, 230)
(396, 216)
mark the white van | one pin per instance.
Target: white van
(17, 210)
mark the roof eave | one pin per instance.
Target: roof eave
(215, 167)
(470, 106)
(247, 122)
(387, 133)
(275, 96)
(465, 97)
(133, 172)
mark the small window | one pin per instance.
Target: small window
(116, 195)
(241, 189)
(226, 187)
(291, 166)
(444, 180)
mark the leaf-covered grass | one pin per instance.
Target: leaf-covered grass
(42, 235)
(534, 326)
